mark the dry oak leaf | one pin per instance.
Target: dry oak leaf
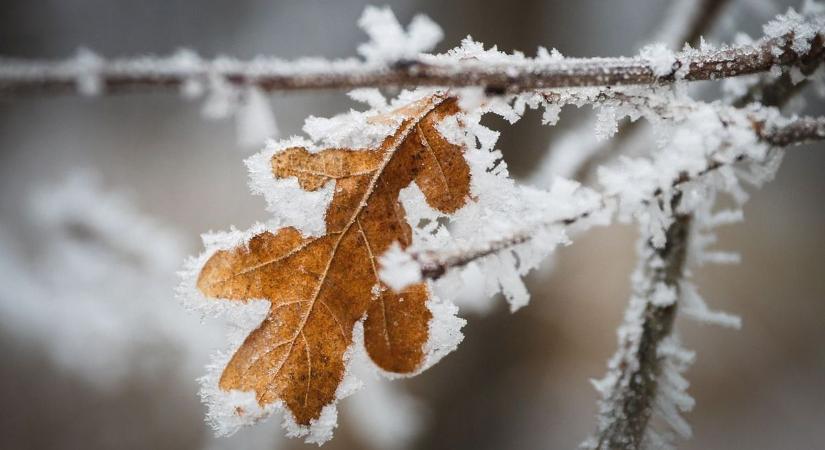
(319, 287)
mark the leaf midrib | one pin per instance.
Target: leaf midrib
(371, 189)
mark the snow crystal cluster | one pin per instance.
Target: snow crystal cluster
(695, 160)
(399, 269)
(86, 64)
(803, 26)
(388, 40)
(255, 122)
(659, 58)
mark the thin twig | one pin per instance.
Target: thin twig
(799, 131)
(434, 265)
(778, 91)
(629, 406)
(516, 75)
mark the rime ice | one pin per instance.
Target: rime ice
(388, 40)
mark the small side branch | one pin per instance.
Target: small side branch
(434, 265)
(798, 131)
(516, 75)
(773, 92)
(778, 91)
(637, 365)
(632, 388)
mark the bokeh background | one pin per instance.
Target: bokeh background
(101, 198)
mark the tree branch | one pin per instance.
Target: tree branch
(517, 74)
(774, 92)
(778, 91)
(434, 264)
(571, 157)
(638, 363)
(798, 131)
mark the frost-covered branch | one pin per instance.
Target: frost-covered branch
(635, 371)
(645, 374)
(577, 157)
(775, 91)
(798, 131)
(433, 264)
(572, 155)
(505, 73)
(671, 195)
(688, 20)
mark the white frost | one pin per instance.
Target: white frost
(660, 59)
(87, 65)
(254, 118)
(388, 40)
(398, 269)
(371, 96)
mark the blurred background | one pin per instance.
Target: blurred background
(102, 198)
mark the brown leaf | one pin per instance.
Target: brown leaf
(319, 287)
